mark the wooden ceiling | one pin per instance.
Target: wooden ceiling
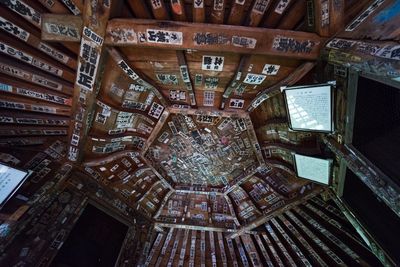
(157, 100)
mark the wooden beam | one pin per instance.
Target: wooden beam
(321, 17)
(25, 141)
(383, 187)
(21, 8)
(7, 130)
(251, 200)
(33, 16)
(354, 8)
(254, 141)
(139, 9)
(140, 78)
(328, 16)
(198, 11)
(163, 203)
(188, 191)
(23, 53)
(276, 13)
(54, 7)
(264, 218)
(237, 39)
(237, 12)
(28, 37)
(251, 249)
(178, 10)
(75, 6)
(218, 11)
(336, 16)
(185, 75)
(282, 166)
(244, 62)
(29, 74)
(61, 28)
(159, 9)
(209, 112)
(257, 12)
(164, 181)
(116, 109)
(379, 252)
(95, 17)
(27, 90)
(237, 181)
(293, 16)
(107, 159)
(295, 76)
(148, 191)
(372, 57)
(193, 227)
(155, 131)
(231, 210)
(17, 103)
(22, 118)
(302, 149)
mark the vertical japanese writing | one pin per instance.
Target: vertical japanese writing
(88, 64)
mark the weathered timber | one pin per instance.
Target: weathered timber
(295, 76)
(183, 35)
(60, 28)
(94, 21)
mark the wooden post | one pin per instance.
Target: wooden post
(95, 19)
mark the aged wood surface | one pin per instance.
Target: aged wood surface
(94, 23)
(142, 33)
(61, 28)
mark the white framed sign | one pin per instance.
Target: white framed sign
(315, 169)
(310, 108)
(10, 180)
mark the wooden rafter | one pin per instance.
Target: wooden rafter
(293, 16)
(237, 12)
(264, 218)
(209, 112)
(26, 54)
(295, 76)
(34, 17)
(257, 12)
(198, 11)
(140, 78)
(28, 37)
(32, 75)
(185, 75)
(217, 11)
(139, 9)
(276, 13)
(254, 19)
(159, 9)
(328, 16)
